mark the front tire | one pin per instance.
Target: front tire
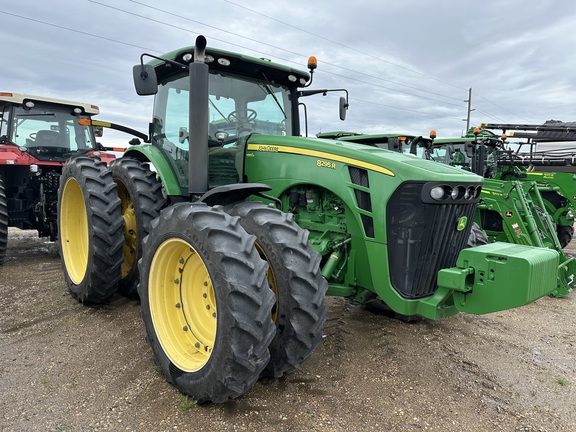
(295, 278)
(206, 304)
(3, 221)
(142, 199)
(90, 230)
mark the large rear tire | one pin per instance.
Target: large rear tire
(90, 229)
(295, 278)
(205, 301)
(142, 199)
(3, 221)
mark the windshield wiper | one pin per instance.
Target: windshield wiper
(217, 110)
(267, 89)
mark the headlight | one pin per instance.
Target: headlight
(451, 192)
(458, 192)
(438, 193)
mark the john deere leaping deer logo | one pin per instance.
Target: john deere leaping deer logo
(461, 223)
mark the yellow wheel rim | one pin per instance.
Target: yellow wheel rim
(271, 281)
(130, 232)
(74, 231)
(182, 305)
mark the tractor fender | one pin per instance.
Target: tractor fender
(151, 154)
(233, 193)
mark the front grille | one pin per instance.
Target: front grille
(422, 239)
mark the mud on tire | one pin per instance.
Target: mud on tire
(142, 199)
(206, 303)
(90, 229)
(295, 278)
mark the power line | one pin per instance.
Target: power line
(266, 44)
(342, 45)
(362, 52)
(502, 108)
(76, 31)
(488, 114)
(388, 88)
(403, 109)
(187, 30)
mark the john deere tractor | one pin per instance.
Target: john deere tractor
(227, 223)
(552, 169)
(510, 210)
(37, 135)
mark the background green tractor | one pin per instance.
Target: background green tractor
(403, 143)
(552, 168)
(231, 286)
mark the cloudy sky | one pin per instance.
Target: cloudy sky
(407, 64)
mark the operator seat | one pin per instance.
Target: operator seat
(47, 138)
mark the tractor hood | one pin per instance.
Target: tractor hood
(390, 163)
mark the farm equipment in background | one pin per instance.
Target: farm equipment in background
(510, 210)
(231, 286)
(37, 135)
(403, 143)
(552, 169)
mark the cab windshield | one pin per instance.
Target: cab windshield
(50, 133)
(238, 107)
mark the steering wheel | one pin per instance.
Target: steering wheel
(33, 136)
(250, 115)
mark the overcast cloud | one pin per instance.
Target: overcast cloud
(407, 64)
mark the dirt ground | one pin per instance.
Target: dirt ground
(65, 367)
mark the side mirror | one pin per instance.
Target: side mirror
(98, 131)
(343, 108)
(145, 80)
(182, 135)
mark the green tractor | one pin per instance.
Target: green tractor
(232, 228)
(553, 170)
(510, 210)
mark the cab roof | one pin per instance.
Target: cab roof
(236, 63)
(20, 99)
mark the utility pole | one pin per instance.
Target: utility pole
(469, 100)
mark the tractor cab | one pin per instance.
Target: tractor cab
(45, 129)
(476, 152)
(237, 108)
(245, 97)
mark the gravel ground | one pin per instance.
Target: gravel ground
(65, 367)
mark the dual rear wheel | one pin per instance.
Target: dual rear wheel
(227, 295)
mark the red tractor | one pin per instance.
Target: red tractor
(37, 136)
